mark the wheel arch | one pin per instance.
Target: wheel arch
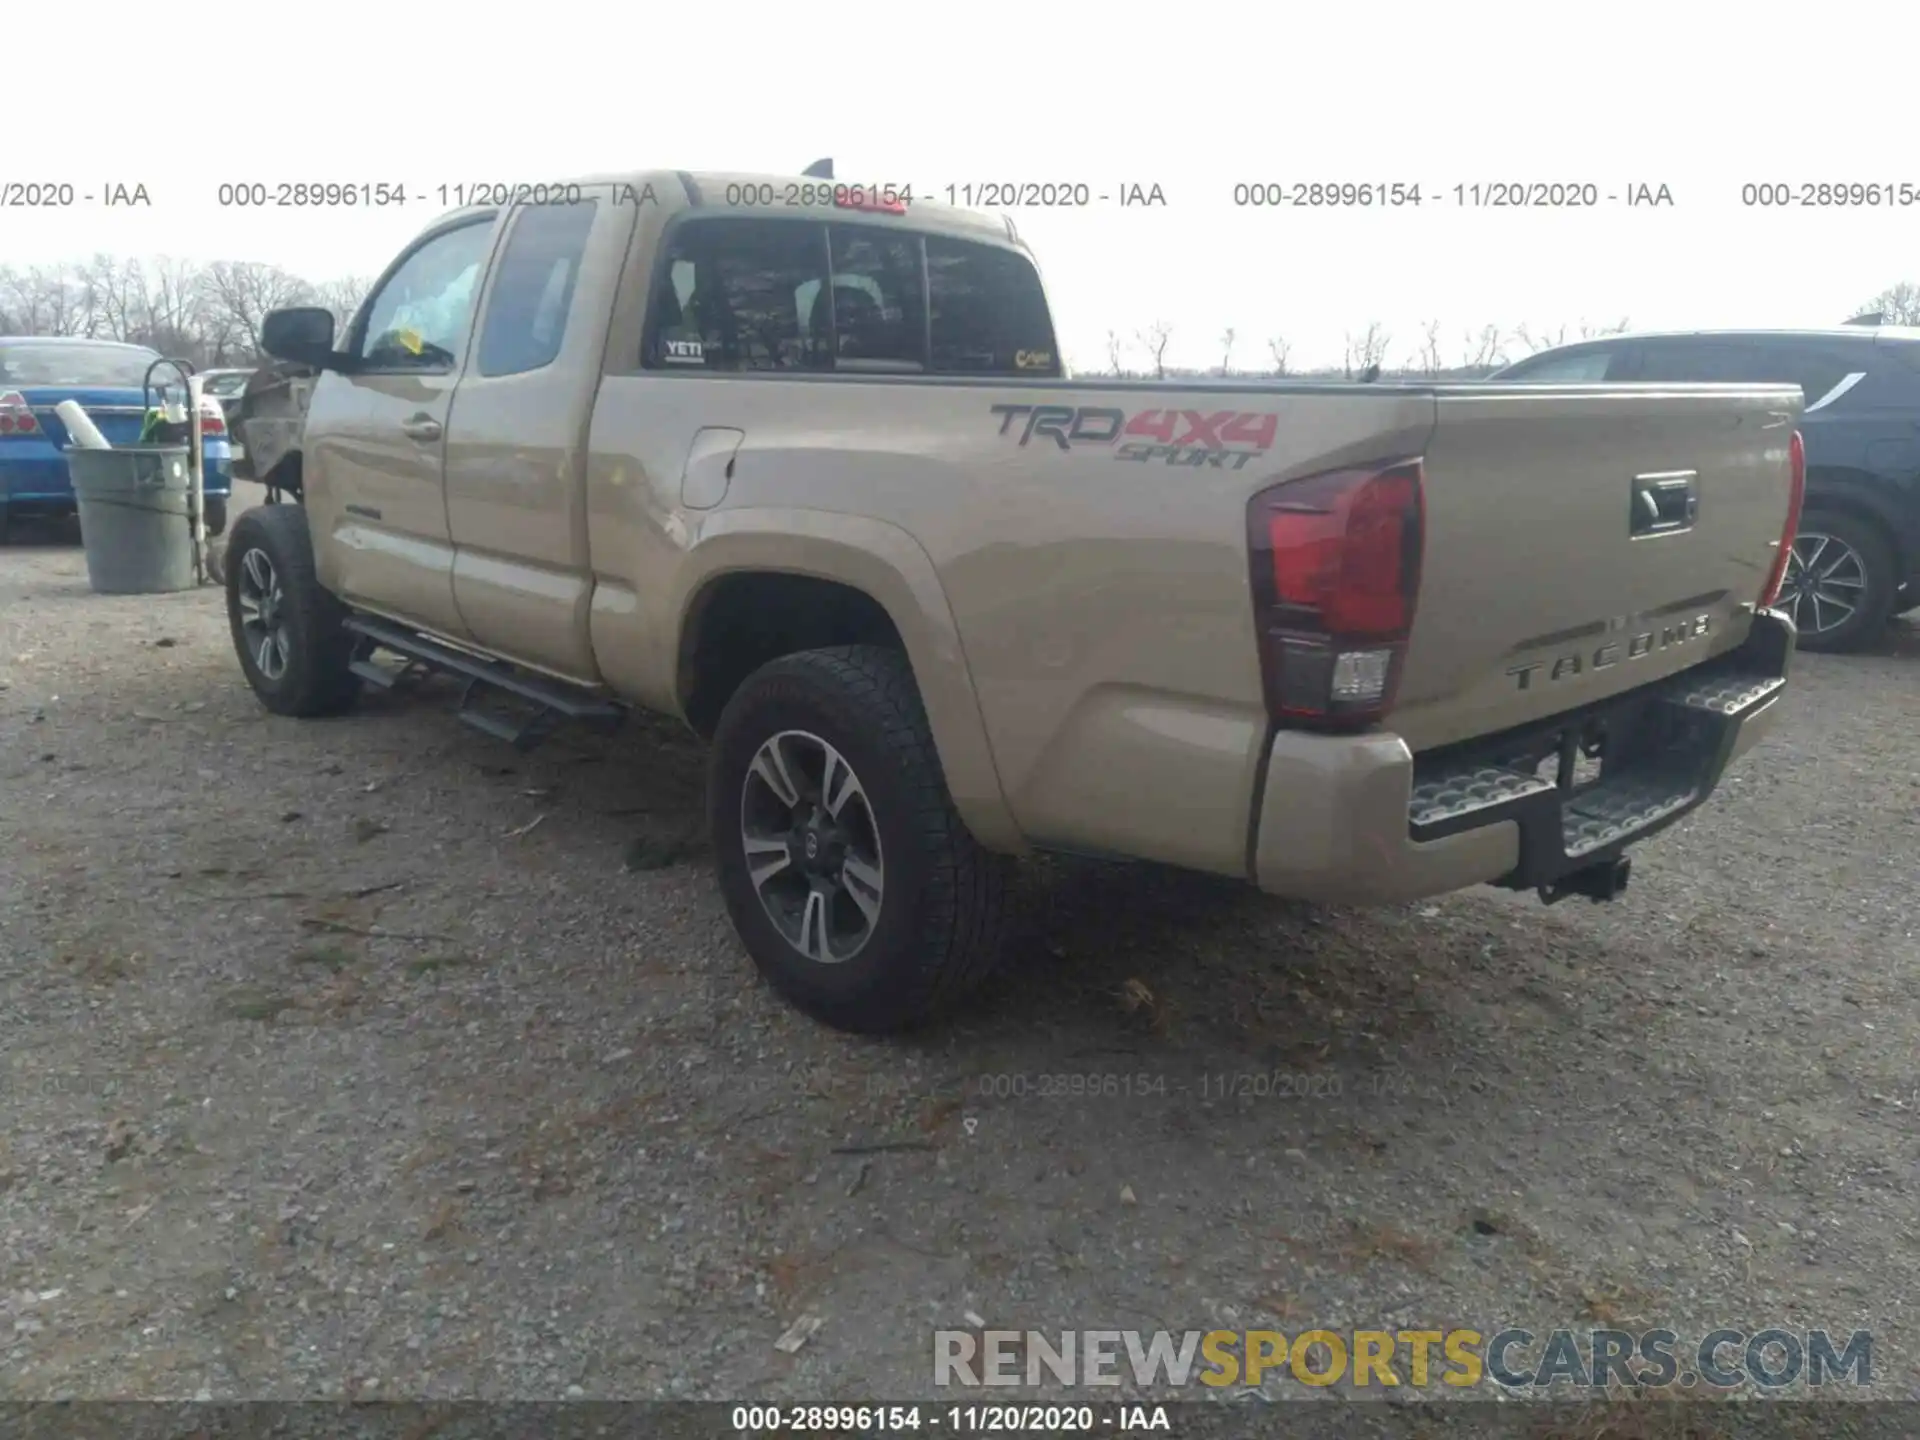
(1848, 492)
(807, 580)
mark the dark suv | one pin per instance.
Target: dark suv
(1857, 558)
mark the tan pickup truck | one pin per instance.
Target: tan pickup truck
(799, 463)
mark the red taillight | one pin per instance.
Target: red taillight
(212, 422)
(1796, 495)
(16, 416)
(1336, 572)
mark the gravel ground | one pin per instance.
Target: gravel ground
(368, 1058)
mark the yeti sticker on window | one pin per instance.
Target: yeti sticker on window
(1032, 359)
(683, 352)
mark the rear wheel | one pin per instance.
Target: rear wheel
(288, 629)
(1839, 582)
(215, 514)
(849, 876)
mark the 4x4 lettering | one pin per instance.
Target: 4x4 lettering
(1205, 429)
(1255, 430)
(1157, 424)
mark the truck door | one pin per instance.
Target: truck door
(516, 443)
(375, 436)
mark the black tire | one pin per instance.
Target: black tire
(1869, 576)
(941, 911)
(312, 647)
(216, 514)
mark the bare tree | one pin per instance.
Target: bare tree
(1430, 362)
(1155, 338)
(1545, 340)
(1226, 351)
(1281, 352)
(1365, 350)
(41, 300)
(343, 297)
(1116, 353)
(1896, 305)
(1485, 351)
(243, 291)
(1596, 332)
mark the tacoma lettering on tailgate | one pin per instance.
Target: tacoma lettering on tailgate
(1633, 647)
(1221, 440)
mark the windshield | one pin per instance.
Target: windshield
(74, 364)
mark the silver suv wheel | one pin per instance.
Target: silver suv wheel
(812, 846)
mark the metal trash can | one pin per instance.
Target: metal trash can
(134, 518)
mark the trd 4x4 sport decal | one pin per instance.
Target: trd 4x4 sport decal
(1222, 439)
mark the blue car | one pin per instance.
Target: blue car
(37, 372)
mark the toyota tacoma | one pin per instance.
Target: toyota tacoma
(798, 463)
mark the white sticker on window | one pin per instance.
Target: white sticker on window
(683, 352)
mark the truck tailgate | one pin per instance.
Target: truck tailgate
(1585, 540)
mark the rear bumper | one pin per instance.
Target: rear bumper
(1361, 820)
(33, 476)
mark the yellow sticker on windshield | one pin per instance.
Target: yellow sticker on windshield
(410, 341)
(1032, 359)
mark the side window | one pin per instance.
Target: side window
(988, 312)
(730, 297)
(1693, 362)
(1817, 373)
(419, 319)
(533, 284)
(1581, 367)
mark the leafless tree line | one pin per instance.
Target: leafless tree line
(208, 314)
(1477, 353)
(1480, 351)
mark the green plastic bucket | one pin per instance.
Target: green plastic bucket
(134, 518)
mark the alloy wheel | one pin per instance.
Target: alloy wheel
(1825, 585)
(812, 846)
(263, 620)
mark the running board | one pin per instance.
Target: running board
(549, 701)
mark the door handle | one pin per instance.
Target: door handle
(421, 427)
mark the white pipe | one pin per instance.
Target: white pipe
(80, 427)
(196, 480)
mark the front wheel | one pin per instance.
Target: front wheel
(1839, 582)
(847, 873)
(288, 629)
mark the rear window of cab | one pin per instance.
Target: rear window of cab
(765, 295)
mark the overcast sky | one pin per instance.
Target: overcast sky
(1700, 97)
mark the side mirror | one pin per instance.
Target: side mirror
(302, 334)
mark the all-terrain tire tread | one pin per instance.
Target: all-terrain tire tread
(327, 685)
(964, 906)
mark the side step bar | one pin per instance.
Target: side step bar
(549, 701)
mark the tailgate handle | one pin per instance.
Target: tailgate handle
(1664, 504)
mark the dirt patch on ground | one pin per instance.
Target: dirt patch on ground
(364, 1057)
